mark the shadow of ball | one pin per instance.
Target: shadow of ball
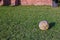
(43, 25)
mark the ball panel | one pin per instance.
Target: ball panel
(43, 25)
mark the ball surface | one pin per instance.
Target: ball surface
(43, 25)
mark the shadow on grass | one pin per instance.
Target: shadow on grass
(52, 24)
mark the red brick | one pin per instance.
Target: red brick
(1, 2)
(13, 2)
(30, 2)
(36, 2)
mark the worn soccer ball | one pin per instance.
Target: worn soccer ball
(43, 25)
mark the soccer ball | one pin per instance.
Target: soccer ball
(43, 25)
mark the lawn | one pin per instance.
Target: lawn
(21, 23)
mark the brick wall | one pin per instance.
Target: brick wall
(1, 2)
(12, 2)
(28, 2)
(36, 2)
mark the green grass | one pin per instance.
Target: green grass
(21, 23)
